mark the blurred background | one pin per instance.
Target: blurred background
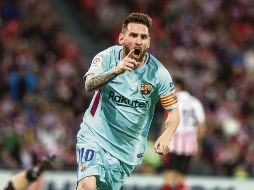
(47, 46)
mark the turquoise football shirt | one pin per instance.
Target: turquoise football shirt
(121, 112)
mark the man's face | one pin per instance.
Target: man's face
(135, 37)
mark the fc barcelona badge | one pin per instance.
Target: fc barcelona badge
(83, 167)
(146, 88)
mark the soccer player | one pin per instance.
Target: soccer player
(186, 140)
(22, 180)
(128, 82)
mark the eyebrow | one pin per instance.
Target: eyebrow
(138, 34)
(144, 35)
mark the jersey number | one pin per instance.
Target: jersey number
(189, 118)
(85, 155)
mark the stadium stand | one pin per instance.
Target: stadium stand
(208, 43)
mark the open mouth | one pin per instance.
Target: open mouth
(137, 52)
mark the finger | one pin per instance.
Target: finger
(163, 149)
(126, 68)
(166, 151)
(130, 65)
(159, 152)
(134, 62)
(158, 149)
(138, 64)
(130, 53)
(156, 146)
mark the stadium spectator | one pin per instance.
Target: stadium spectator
(187, 141)
(23, 179)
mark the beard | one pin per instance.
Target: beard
(137, 56)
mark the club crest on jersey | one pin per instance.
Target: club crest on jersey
(83, 167)
(96, 62)
(146, 88)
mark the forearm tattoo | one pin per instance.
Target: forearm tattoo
(98, 81)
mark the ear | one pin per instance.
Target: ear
(149, 42)
(121, 38)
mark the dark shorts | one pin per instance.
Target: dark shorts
(180, 163)
(9, 187)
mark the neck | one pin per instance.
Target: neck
(143, 60)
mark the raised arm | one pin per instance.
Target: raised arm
(97, 81)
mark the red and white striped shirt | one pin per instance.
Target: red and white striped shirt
(184, 141)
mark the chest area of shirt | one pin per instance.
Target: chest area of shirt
(130, 93)
(133, 85)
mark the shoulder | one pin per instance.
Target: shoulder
(195, 101)
(107, 54)
(154, 61)
(111, 50)
(157, 65)
(159, 71)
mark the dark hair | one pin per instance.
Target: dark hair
(180, 83)
(139, 18)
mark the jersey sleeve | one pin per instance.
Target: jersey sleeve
(166, 90)
(100, 64)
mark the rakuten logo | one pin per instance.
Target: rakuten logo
(123, 101)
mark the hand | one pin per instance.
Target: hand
(161, 146)
(127, 64)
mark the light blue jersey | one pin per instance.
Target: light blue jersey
(121, 112)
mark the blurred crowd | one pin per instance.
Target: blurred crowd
(210, 44)
(42, 97)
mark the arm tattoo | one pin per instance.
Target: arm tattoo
(100, 80)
